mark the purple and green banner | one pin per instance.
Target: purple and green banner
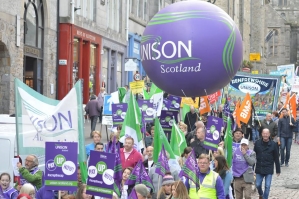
(61, 166)
(147, 110)
(100, 180)
(118, 113)
(175, 102)
(166, 120)
(213, 133)
(166, 104)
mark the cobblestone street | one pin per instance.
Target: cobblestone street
(286, 186)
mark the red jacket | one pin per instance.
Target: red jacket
(132, 160)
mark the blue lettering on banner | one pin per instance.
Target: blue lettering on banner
(57, 122)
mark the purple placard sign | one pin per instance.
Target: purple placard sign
(61, 166)
(147, 110)
(166, 120)
(213, 133)
(100, 174)
(166, 105)
(175, 102)
(118, 113)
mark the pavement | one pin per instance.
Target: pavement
(286, 186)
(99, 127)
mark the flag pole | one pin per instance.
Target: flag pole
(177, 138)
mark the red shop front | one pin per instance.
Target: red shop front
(79, 58)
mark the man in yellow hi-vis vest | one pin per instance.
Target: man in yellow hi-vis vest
(211, 185)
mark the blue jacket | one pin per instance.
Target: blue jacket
(285, 130)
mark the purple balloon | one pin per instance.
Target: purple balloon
(191, 48)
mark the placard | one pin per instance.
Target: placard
(100, 174)
(61, 166)
(190, 101)
(213, 133)
(119, 113)
(137, 86)
(147, 110)
(107, 120)
(175, 102)
(166, 120)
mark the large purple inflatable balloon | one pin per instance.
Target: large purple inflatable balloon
(191, 48)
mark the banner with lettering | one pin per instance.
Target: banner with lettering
(118, 113)
(214, 97)
(40, 119)
(100, 174)
(61, 166)
(245, 109)
(213, 133)
(166, 120)
(263, 89)
(204, 105)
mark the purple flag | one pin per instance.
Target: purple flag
(139, 176)
(162, 164)
(118, 167)
(190, 170)
(133, 195)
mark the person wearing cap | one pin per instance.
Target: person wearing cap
(243, 160)
(165, 190)
(141, 191)
(237, 137)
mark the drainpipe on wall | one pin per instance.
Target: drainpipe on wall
(72, 12)
(57, 48)
(127, 24)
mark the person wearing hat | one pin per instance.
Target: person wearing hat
(141, 191)
(237, 137)
(243, 160)
(165, 190)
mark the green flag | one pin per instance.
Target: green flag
(154, 90)
(131, 124)
(145, 94)
(228, 142)
(121, 94)
(177, 141)
(159, 139)
(186, 109)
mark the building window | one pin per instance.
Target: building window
(92, 69)
(104, 71)
(88, 9)
(144, 16)
(33, 39)
(114, 14)
(119, 69)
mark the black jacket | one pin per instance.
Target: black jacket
(266, 155)
(190, 120)
(272, 126)
(285, 130)
(198, 148)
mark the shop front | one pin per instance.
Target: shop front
(79, 58)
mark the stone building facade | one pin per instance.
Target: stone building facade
(15, 49)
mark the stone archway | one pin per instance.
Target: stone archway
(5, 66)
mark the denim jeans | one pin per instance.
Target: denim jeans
(258, 184)
(285, 143)
(255, 134)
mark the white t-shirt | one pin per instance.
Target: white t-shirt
(150, 162)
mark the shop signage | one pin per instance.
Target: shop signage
(32, 51)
